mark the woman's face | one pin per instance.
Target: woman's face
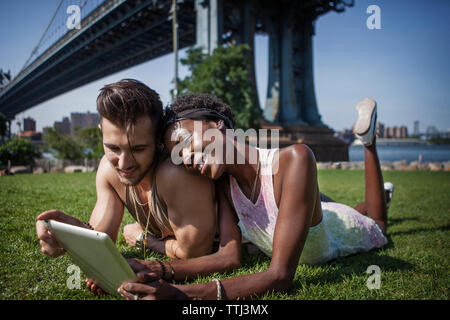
(198, 145)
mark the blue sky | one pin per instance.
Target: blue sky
(404, 66)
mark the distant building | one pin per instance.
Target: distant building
(64, 126)
(416, 129)
(390, 132)
(395, 132)
(83, 120)
(77, 120)
(347, 135)
(403, 132)
(33, 136)
(29, 124)
(380, 129)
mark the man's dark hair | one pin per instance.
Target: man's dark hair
(125, 101)
(199, 101)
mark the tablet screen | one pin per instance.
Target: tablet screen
(95, 253)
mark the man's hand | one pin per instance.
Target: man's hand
(131, 232)
(49, 245)
(94, 288)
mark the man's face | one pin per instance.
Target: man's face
(131, 155)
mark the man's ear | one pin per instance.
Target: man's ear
(100, 126)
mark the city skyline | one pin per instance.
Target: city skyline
(425, 127)
(66, 126)
(403, 65)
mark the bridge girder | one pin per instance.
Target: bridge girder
(131, 33)
(120, 34)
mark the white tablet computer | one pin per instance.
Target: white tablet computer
(95, 253)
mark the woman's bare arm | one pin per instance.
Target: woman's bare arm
(297, 205)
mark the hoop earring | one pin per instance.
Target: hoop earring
(221, 125)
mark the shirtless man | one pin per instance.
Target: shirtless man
(181, 222)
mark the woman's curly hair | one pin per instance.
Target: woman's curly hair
(195, 101)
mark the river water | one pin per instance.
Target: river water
(408, 152)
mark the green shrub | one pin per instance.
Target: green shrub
(19, 151)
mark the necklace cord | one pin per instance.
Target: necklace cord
(135, 198)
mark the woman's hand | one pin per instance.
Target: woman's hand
(156, 290)
(149, 284)
(148, 271)
(131, 232)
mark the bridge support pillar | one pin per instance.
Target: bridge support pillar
(291, 102)
(9, 129)
(241, 18)
(209, 24)
(291, 97)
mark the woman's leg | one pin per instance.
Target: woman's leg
(362, 207)
(374, 205)
(324, 198)
(375, 202)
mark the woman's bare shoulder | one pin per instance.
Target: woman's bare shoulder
(294, 156)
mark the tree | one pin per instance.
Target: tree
(62, 146)
(91, 141)
(3, 126)
(86, 143)
(225, 75)
(19, 151)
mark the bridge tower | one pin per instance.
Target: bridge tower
(290, 99)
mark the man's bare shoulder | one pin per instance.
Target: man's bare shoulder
(106, 175)
(167, 171)
(173, 178)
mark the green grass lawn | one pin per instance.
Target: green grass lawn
(414, 264)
